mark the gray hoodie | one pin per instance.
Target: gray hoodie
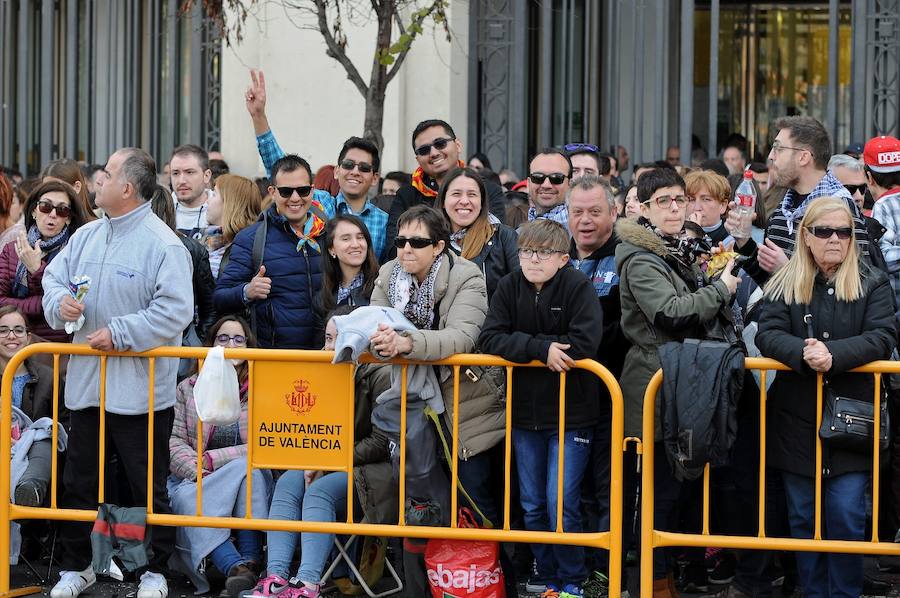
(141, 290)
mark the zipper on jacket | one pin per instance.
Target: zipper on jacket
(97, 285)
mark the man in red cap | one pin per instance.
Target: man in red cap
(882, 162)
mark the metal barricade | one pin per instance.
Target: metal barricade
(263, 366)
(653, 538)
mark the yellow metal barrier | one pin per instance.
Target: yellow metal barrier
(652, 538)
(271, 360)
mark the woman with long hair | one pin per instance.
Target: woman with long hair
(69, 171)
(234, 205)
(475, 233)
(52, 214)
(824, 312)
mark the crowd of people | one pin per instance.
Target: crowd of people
(585, 258)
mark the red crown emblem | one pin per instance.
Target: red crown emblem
(301, 385)
(300, 400)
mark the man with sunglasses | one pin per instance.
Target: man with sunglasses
(275, 266)
(850, 172)
(882, 164)
(549, 174)
(357, 169)
(437, 151)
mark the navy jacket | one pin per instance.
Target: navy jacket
(285, 318)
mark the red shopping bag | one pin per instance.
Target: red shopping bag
(464, 569)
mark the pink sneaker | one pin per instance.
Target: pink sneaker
(272, 586)
(307, 591)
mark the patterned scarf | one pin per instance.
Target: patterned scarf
(827, 186)
(214, 238)
(681, 248)
(457, 238)
(427, 187)
(311, 230)
(414, 300)
(48, 246)
(344, 292)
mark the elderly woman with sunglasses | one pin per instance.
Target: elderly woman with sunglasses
(665, 297)
(52, 213)
(824, 311)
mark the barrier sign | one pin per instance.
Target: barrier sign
(302, 415)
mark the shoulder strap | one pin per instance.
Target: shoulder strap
(259, 249)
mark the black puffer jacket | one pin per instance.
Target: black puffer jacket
(204, 285)
(498, 257)
(522, 322)
(855, 334)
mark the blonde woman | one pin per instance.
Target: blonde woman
(234, 206)
(853, 323)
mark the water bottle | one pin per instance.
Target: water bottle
(745, 200)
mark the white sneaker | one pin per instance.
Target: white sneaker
(73, 583)
(153, 585)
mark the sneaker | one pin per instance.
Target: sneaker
(535, 584)
(240, 579)
(30, 493)
(153, 585)
(271, 585)
(596, 585)
(301, 589)
(724, 564)
(73, 583)
(693, 579)
(550, 591)
(571, 590)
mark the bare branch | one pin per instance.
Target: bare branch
(336, 51)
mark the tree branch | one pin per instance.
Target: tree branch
(415, 26)
(336, 51)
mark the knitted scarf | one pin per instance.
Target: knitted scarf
(414, 300)
(427, 186)
(48, 246)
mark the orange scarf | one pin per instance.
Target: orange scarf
(311, 230)
(422, 186)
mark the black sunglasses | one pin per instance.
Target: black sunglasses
(438, 144)
(416, 242)
(825, 232)
(854, 188)
(364, 167)
(556, 178)
(62, 210)
(286, 192)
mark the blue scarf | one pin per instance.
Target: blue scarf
(48, 246)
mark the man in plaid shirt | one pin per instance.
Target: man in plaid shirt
(882, 159)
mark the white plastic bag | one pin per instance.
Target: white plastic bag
(216, 394)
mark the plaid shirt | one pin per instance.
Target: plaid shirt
(559, 214)
(887, 212)
(374, 217)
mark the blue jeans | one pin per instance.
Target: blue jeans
(844, 510)
(249, 548)
(536, 461)
(286, 504)
(326, 498)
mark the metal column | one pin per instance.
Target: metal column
(659, 87)
(712, 141)
(686, 85)
(46, 124)
(832, 89)
(170, 82)
(195, 118)
(71, 70)
(859, 131)
(546, 101)
(6, 76)
(22, 113)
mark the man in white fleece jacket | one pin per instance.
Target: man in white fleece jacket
(140, 297)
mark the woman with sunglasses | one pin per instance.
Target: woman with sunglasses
(69, 171)
(52, 214)
(665, 297)
(824, 312)
(475, 233)
(33, 394)
(445, 298)
(222, 451)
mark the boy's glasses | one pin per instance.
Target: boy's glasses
(17, 331)
(224, 339)
(542, 253)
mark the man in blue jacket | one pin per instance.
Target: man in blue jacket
(277, 277)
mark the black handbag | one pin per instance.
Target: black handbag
(850, 423)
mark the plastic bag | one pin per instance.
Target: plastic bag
(216, 393)
(464, 569)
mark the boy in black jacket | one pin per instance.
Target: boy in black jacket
(548, 311)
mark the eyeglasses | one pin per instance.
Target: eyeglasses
(415, 242)
(854, 188)
(825, 232)
(364, 167)
(18, 331)
(223, 339)
(556, 178)
(574, 147)
(778, 146)
(62, 210)
(439, 144)
(287, 192)
(542, 253)
(665, 201)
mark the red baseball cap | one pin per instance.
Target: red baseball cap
(882, 154)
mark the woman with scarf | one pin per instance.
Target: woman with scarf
(445, 298)
(475, 233)
(665, 297)
(52, 213)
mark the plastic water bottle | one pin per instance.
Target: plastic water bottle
(745, 200)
